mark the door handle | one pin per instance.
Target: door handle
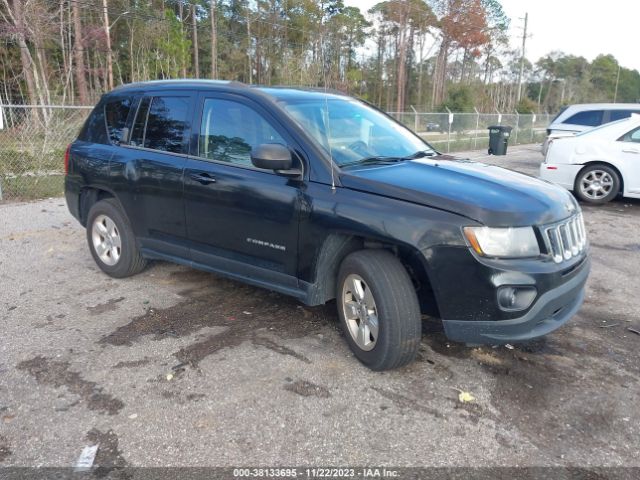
(203, 178)
(630, 150)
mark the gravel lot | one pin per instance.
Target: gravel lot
(176, 367)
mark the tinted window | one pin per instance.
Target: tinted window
(116, 113)
(94, 129)
(620, 114)
(137, 132)
(229, 130)
(588, 118)
(167, 124)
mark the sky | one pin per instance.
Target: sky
(577, 27)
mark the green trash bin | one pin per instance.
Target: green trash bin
(498, 139)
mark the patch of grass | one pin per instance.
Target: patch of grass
(18, 162)
(31, 187)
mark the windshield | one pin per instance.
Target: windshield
(352, 132)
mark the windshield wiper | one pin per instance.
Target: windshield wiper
(382, 160)
(375, 160)
(422, 153)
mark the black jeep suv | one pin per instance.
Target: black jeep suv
(321, 196)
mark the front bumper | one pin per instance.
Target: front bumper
(550, 311)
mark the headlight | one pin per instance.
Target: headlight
(503, 242)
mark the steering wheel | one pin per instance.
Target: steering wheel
(360, 147)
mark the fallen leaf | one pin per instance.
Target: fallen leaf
(466, 397)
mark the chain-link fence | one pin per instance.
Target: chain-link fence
(451, 132)
(33, 140)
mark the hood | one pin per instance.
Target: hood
(490, 195)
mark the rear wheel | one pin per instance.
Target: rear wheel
(378, 309)
(597, 184)
(111, 240)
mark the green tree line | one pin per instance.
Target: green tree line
(425, 54)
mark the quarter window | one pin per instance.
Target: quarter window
(632, 136)
(116, 114)
(229, 130)
(587, 118)
(94, 130)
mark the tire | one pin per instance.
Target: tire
(395, 312)
(605, 179)
(120, 256)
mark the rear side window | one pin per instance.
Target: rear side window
(116, 113)
(587, 118)
(161, 124)
(620, 114)
(167, 124)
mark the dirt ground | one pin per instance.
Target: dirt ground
(175, 367)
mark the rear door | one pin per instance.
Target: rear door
(151, 166)
(241, 218)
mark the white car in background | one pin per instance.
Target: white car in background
(598, 164)
(582, 117)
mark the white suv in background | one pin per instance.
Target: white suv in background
(581, 117)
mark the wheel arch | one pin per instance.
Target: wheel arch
(89, 196)
(337, 246)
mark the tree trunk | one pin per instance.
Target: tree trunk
(109, 53)
(249, 50)
(440, 74)
(81, 82)
(214, 41)
(181, 15)
(196, 57)
(402, 67)
(28, 65)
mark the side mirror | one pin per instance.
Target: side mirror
(271, 156)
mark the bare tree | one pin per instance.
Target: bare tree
(214, 41)
(78, 52)
(196, 57)
(16, 15)
(107, 32)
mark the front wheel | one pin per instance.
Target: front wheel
(378, 309)
(597, 184)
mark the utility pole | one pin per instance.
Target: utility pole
(524, 44)
(615, 95)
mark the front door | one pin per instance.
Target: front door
(629, 154)
(240, 218)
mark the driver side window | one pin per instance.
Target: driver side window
(229, 130)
